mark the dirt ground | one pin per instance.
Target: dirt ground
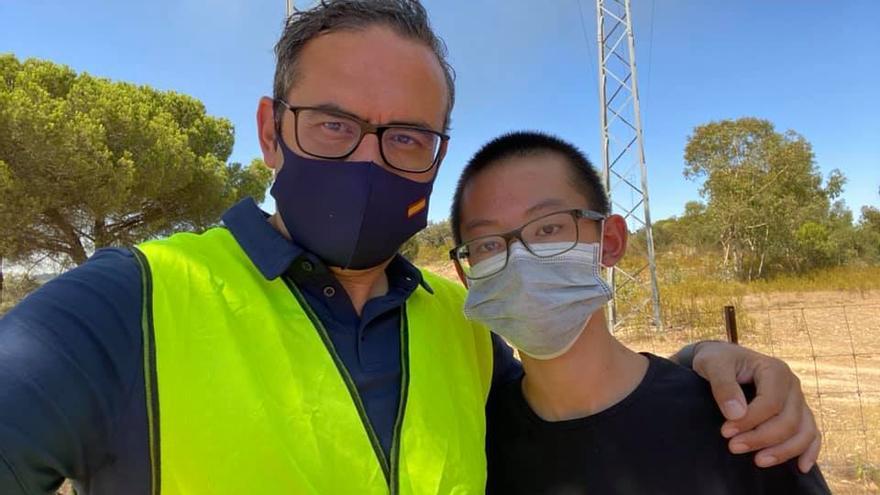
(832, 341)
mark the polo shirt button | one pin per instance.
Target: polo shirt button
(329, 291)
(307, 266)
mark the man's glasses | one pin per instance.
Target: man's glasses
(546, 236)
(328, 134)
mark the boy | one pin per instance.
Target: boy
(533, 226)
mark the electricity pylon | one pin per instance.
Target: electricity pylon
(623, 153)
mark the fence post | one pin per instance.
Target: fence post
(730, 324)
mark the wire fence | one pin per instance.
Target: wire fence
(834, 350)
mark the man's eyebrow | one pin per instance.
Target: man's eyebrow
(413, 123)
(332, 107)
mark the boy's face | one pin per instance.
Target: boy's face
(519, 189)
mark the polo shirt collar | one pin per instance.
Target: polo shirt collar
(272, 253)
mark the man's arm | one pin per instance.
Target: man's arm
(68, 360)
(505, 367)
(777, 423)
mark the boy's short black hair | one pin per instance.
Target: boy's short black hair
(582, 174)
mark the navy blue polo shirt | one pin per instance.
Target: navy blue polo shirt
(72, 398)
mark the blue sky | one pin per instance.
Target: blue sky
(808, 65)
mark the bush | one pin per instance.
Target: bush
(15, 288)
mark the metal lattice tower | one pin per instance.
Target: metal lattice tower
(623, 153)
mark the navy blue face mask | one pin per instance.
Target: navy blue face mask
(350, 214)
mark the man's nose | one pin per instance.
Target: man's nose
(368, 150)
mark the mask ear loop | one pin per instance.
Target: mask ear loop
(602, 242)
(279, 141)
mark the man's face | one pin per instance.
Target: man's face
(516, 190)
(373, 74)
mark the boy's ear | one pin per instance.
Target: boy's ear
(460, 273)
(614, 240)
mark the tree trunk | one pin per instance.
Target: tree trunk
(77, 253)
(72, 241)
(99, 233)
(1, 280)
(761, 266)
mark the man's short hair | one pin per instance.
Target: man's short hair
(582, 174)
(407, 18)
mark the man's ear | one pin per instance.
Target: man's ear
(441, 154)
(267, 135)
(614, 240)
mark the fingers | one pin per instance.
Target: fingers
(778, 423)
(808, 459)
(729, 396)
(778, 398)
(720, 369)
(776, 432)
(805, 443)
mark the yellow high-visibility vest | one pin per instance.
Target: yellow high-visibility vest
(246, 394)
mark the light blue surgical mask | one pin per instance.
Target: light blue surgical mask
(540, 305)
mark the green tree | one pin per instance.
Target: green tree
(86, 162)
(437, 234)
(692, 231)
(431, 244)
(765, 198)
(868, 235)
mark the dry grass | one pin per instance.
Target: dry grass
(825, 325)
(832, 341)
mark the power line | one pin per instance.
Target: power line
(623, 152)
(586, 39)
(650, 58)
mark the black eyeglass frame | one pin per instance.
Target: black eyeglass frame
(516, 234)
(366, 128)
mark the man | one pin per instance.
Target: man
(296, 353)
(589, 416)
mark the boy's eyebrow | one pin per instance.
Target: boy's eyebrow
(543, 205)
(479, 223)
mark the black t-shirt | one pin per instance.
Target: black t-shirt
(664, 438)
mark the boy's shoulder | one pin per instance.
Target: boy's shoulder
(670, 386)
(668, 382)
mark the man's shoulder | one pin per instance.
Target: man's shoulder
(437, 284)
(71, 352)
(91, 309)
(110, 274)
(103, 295)
(193, 244)
(434, 280)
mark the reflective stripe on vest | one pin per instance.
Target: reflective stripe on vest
(248, 396)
